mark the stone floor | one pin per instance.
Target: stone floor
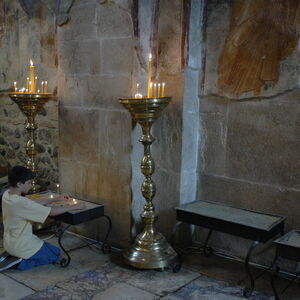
(93, 275)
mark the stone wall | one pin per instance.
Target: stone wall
(95, 59)
(102, 54)
(250, 142)
(23, 37)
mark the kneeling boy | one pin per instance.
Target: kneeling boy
(18, 213)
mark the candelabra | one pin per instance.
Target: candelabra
(150, 249)
(30, 104)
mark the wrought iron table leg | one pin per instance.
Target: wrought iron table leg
(207, 250)
(248, 291)
(273, 275)
(60, 231)
(105, 247)
(172, 240)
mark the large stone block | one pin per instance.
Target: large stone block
(167, 131)
(113, 21)
(117, 56)
(78, 133)
(170, 35)
(79, 57)
(84, 13)
(212, 149)
(105, 91)
(256, 196)
(166, 199)
(268, 199)
(263, 141)
(70, 177)
(96, 181)
(70, 90)
(77, 32)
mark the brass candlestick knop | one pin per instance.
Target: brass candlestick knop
(30, 105)
(150, 249)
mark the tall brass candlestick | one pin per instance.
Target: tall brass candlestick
(150, 249)
(30, 105)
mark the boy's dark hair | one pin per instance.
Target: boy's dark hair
(19, 174)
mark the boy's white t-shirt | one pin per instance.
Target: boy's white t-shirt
(18, 213)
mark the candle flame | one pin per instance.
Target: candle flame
(137, 85)
(163, 84)
(15, 83)
(31, 63)
(159, 84)
(151, 84)
(150, 56)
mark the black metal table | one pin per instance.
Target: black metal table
(90, 212)
(248, 224)
(287, 246)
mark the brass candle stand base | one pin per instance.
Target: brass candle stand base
(30, 105)
(150, 249)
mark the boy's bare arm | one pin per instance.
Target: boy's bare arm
(58, 210)
(47, 200)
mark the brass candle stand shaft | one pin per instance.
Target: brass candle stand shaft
(150, 249)
(30, 105)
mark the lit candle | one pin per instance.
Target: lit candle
(149, 75)
(74, 201)
(138, 95)
(51, 196)
(45, 86)
(154, 92)
(35, 83)
(151, 87)
(38, 91)
(31, 75)
(15, 86)
(158, 90)
(57, 188)
(163, 89)
(42, 86)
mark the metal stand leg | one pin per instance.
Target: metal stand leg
(59, 233)
(172, 241)
(207, 250)
(248, 291)
(106, 247)
(176, 266)
(276, 270)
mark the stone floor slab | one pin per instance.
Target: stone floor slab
(41, 277)
(162, 283)
(10, 289)
(123, 291)
(208, 288)
(57, 294)
(95, 281)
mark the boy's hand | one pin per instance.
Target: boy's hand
(62, 197)
(78, 206)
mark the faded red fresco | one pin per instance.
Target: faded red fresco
(262, 33)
